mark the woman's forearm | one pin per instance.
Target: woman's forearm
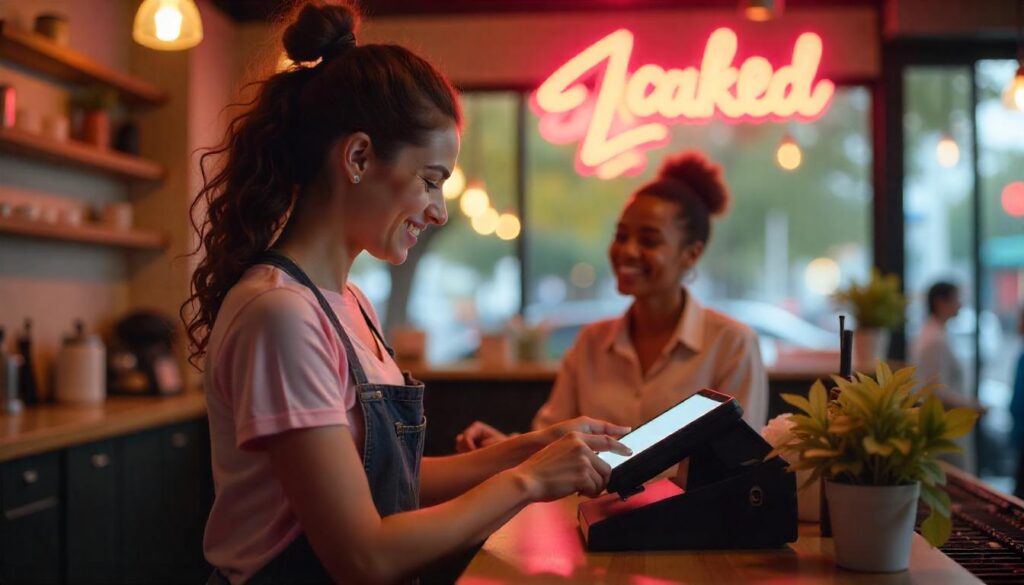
(409, 541)
(443, 478)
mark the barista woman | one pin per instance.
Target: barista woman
(667, 345)
(316, 435)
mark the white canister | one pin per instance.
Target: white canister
(81, 376)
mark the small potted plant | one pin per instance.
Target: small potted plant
(93, 106)
(877, 306)
(875, 447)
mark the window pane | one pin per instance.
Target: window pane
(756, 266)
(1001, 189)
(467, 282)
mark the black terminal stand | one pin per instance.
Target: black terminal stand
(734, 500)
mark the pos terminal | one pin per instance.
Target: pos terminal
(734, 499)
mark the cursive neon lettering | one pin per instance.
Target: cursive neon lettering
(627, 114)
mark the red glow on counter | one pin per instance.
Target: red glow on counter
(623, 115)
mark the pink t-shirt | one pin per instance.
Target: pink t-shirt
(274, 364)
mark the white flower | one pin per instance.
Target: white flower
(777, 432)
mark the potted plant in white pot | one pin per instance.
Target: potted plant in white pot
(875, 446)
(877, 306)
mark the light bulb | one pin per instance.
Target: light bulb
(453, 187)
(508, 227)
(486, 222)
(788, 155)
(168, 25)
(947, 151)
(474, 201)
(822, 276)
(1013, 95)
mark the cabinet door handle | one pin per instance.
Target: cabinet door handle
(30, 476)
(179, 440)
(100, 460)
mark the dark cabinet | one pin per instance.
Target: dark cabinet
(30, 525)
(126, 510)
(92, 502)
(167, 497)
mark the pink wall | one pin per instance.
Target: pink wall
(523, 49)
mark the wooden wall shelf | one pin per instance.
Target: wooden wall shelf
(39, 53)
(81, 155)
(89, 234)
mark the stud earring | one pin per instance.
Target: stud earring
(355, 179)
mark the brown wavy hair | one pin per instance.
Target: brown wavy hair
(278, 144)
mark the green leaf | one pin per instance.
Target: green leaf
(797, 401)
(819, 453)
(933, 472)
(944, 446)
(818, 401)
(901, 445)
(875, 448)
(959, 422)
(842, 424)
(937, 498)
(882, 372)
(936, 529)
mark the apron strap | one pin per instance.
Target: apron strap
(292, 269)
(373, 328)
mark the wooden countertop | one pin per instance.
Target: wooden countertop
(39, 429)
(542, 544)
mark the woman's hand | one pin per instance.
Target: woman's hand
(569, 465)
(477, 435)
(581, 424)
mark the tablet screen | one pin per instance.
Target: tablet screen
(661, 427)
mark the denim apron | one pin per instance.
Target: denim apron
(392, 447)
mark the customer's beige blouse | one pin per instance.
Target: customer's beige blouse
(600, 375)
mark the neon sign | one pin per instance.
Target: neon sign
(622, 115)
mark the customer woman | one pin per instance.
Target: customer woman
(316, 435)
(667, 345)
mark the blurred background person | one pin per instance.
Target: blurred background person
(933, 355)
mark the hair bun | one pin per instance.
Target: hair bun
(320, 31)
(702, 176)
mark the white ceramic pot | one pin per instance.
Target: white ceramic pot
(872, 525)
(870, 344)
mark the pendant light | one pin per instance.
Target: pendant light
(788, 154)
(508, 226)
(761, 10)
(1013, 95)
(475, 201)
(168, 25)
(455, 184)
(947, 151)
(486, 221)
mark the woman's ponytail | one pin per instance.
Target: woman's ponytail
(276, 147)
